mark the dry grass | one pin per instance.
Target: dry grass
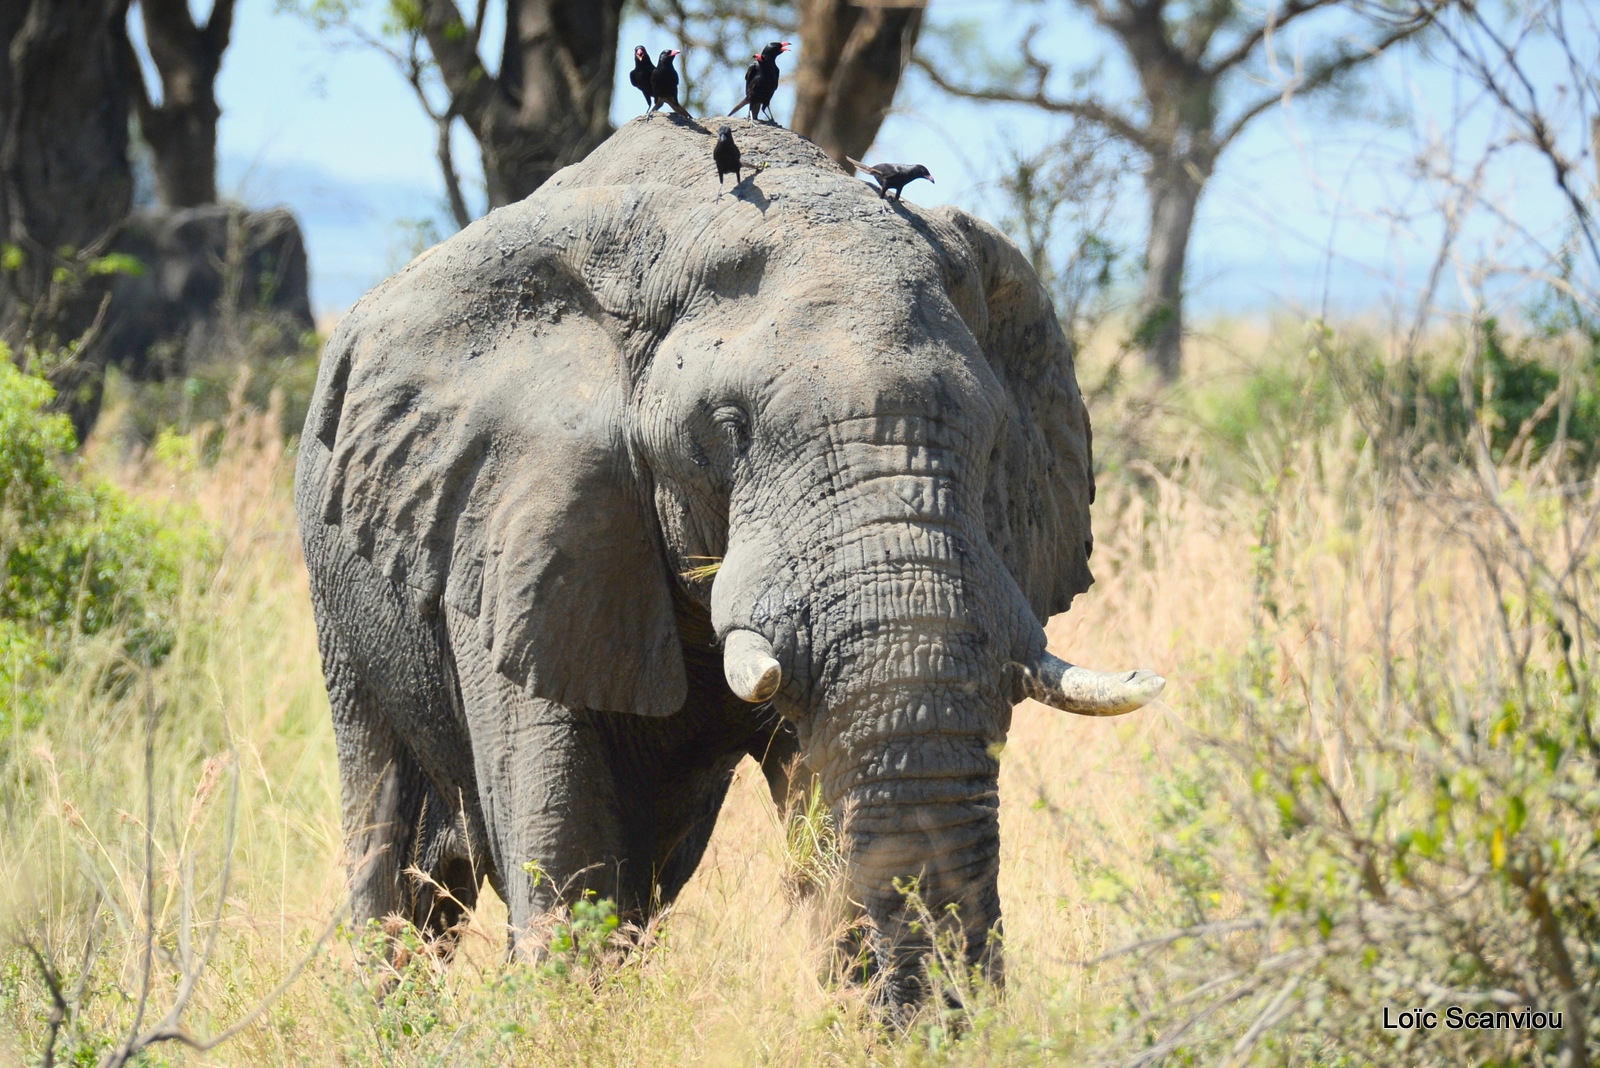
(733, 976)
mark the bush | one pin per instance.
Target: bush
(249, 374)
(80, 558)
(1529, 390)
(1388, 799)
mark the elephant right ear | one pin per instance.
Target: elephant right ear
(472, 408)
(1043, 474)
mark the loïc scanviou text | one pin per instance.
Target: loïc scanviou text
(1456, 1018)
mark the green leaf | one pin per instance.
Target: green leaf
(116, 263)
(1516, 814)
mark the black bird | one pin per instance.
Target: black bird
(640, 75)
(726, 155)
(893, 175)
(761, 81)
(664, 83)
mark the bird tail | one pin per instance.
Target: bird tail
(679, 108)
(858, 165)
(743, 103)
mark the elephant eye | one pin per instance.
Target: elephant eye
(734, 423)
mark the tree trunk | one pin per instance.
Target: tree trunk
(64, 171)
(551, 102)
(185, 157)
(65, 179)
(182, 130)
(1174, 192)
(849, 70)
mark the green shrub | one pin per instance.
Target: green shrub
(1527, 389)
(1284, 393)
(1389, 798)
(581, 940)
(252, 373)
(80, 558)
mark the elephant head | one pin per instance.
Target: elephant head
(867, 411)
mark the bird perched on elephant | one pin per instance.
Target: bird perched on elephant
(761, 81)
(895, 176)
(664, 83)
(642, 73)
(520, 444)
(725, 154)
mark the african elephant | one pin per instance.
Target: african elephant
(521, 446)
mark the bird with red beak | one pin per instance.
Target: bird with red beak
(761, 81)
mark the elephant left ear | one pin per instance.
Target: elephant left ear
(1042, 479)
(472, 408)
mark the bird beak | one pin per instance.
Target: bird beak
(785, 47)
(676, 52)
(930, 178)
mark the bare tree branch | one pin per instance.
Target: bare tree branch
(219, 26)
(476, 35)
(60, 1011)
(175, 1032)
(1527, 114)
(170, 1028)
(1196, 35)
(414, 67)
(1086, 108)
(1276, 19)
(470, 85)
(1323, 74)
(1179, 125)
(447, 167)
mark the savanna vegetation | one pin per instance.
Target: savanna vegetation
(1372, 780)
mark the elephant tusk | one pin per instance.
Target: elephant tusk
(1056, 683)
(752, 671)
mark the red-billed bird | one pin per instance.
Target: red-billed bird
(640, 75)
(664, 83)
(893, 175)
(761, 81)
(726, 157)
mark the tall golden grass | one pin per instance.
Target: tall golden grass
(245, 781)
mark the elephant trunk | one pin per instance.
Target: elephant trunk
(907, 752)
(922, 865)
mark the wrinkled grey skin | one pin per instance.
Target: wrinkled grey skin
(521, 441)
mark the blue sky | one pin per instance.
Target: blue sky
(332, 132)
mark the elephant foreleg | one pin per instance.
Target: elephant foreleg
(549, 800)
(405, 764)
(446, 873)
(405, 846)
(383, 791)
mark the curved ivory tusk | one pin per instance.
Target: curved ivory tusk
(752, 671)
(1088, 693)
